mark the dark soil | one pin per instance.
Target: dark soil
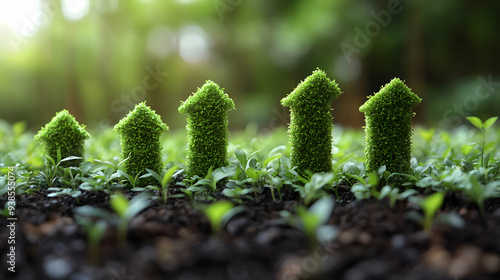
(174, 241)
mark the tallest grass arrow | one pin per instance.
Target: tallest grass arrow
(207, 128)
(311, 123)
(388, 131)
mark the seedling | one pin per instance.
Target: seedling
(124, 210)
(64, 137)
(483, 127)
(52, 170)
(313, 189)
(477, 192)
(313, 221)
(394, 194)
(164, 181)
(213, 177)
(388, 131)
(219, 213)
(95, 231)
(140, 133)
(430, 206)
(365, 188)
(311, 123)
(207, 128)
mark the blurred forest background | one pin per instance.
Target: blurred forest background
(98, 58)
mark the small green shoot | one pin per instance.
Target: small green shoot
(95, 231)
(430, 206)
(477, 192)
(126, 210)
(164, 181)
(219, 213)
(313, 221)
(483, 127)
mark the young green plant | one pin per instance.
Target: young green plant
(483, 127)
(124, 210)
(430, 205)
(164, 181)
(313, 221)
(219, 213)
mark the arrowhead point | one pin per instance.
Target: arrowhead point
(316, 88)
(142, 117)
(395, 95)
(209, 95)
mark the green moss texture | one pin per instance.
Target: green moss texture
(140, 133)
(311, 123)
(388, 116)
(207, 122)
(64, 134)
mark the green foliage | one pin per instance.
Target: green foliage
(95, 232)
(483, 127)
(140, 133)
(207, 128)
(430, 205)
(311, 123)
(163, 182)
(313, 221)
(124, 210)
(388, 129)
(63, 137)
(219, 213)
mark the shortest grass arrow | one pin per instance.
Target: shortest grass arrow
(63, 137)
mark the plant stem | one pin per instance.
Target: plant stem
(122, 233)
(482, 146)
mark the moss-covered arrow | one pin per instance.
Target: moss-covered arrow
(311, 123)
(388, 131)
(207, 128)
(140, 133)
(63, 137)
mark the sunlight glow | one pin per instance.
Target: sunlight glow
(161, 42)
(75, 9)
(23, 17)
(194, 44)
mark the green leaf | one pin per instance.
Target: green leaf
(489, 122)
(269, 159)
(475, 121)
(119, 203)
(241, 156)
(384, 191)
(136, 205)
(432, 203)
(154, 174)
(322, 209)
(215, 213)
(168, 175)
